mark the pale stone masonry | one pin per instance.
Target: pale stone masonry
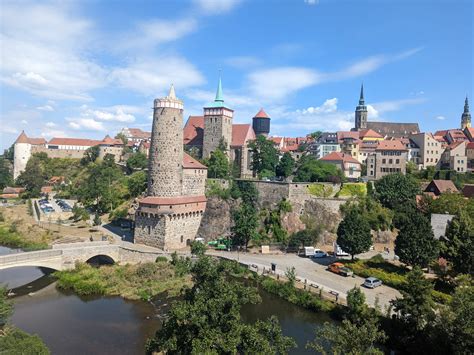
(169, 217)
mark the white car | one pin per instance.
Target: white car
(372, 282)
(318, 253)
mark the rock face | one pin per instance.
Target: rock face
(217, 219)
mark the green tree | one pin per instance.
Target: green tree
(6, 178)
(286, 165)
(198, 248)
(264, 155)
(458, 245)
(305, 237)
(6, 306)
(396, 189)
(137, 183)
(353, 233)
(245, 224)
(90, 155)
(415, 243)
(414, 311)
(218, 165)
(207, 320)
(137, 161)
(378, 217)
(122, 137)
(315, 135)
(9, 154)
(312, 170)
(32, 178)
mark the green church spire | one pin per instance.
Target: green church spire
(466, 106)
(219, 95)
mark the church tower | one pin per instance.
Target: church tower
(217, 124)
(466, 116)
(361, 112)
(165, 171)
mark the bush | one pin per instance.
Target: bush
(214, 189)
(320, 190)
(161, 259)
(353, 190)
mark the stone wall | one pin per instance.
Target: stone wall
(133, 256)
(115, 151)
(194, 182)
(217, 219)
(59, 153)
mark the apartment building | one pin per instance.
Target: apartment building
(389, 157)
(430, 150)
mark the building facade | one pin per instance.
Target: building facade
(429, 150)
(169, 217)
(389, 157)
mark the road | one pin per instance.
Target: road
(315, 272)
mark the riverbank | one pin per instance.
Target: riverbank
(10, 237)
(133, 282)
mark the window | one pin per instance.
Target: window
(397, 161)
(384, 161)
(390, 161)
(182, 239)
(149, 230)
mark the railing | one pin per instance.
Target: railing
(28, 256)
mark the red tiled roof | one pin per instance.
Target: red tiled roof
(145, 144)
(441, 133)
(261, 114)
(179, 200)
(341, 135)
(190, 163)
(13, 190)
(390, 145)
(111, 141)
(444, 186)
(470, 145)
(370, 133)
(23, 138)
(277, 140)
(337, 156)
(193, 132)
(138, 133)
(242, 133)
(74, 141)
(470, 132)
(457, 134)
(455, 144)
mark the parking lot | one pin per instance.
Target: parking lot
(55, 209)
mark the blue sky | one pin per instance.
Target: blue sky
(88, 68)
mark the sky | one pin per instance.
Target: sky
(88, 68)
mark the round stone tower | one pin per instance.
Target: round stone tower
(165, 171)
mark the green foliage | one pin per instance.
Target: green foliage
(312, 170)
(6, 177)
(245, 190)
(353, 233)
(139, 281)
(137, 161)
(79, 213)
(285, 166)
(305, 237)
(198, 248)
(214, 189)
(415, 243)
(245, 224)
(118, 213)
(378, 217)
(137, 183)
(458, 246)
(6, 306)
(122, 137)
(90, 155)
(414, 311)
(182, 265)
(396, 189)
(218, 165)
(264, 155)
(161, 259)
(97, 221)
(316, 134)
(353, 190)
(320, 190)
(285, 206)
(265, 174)
(33, 177)
(10, 237)
(452, 203)
(207, 320)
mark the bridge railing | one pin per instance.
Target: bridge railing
(28, 256)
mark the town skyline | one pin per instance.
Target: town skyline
(307, 84)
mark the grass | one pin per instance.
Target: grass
(141, 281)
(320, 190)
(358, 189)
(10, 237)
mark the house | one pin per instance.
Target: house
(389, 157)
(468, 190)
(326, 144)
(350, 166)
(438, 187)
(454, 157)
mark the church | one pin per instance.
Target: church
(203, 134)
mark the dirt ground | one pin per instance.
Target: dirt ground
(44, 231)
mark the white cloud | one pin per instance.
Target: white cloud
(50, 124)
(441, 118)
(50, 133)
(45, 108)
(153, 76)
(395, 105)
(277, 83)
(330, 105)
(86, 124)
(24, 122)
(44, 52)
(216, 6)
(312, 2)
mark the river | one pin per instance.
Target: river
(70, 324)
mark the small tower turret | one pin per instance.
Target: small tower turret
(466, 116)
(361, 112)
(261, 123)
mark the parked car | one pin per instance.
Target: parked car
(339, 268)
(338, 251)
(372, 282)
(318, 253)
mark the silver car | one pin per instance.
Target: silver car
(372, 282)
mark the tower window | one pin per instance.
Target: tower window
(182, 239)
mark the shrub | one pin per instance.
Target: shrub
(320, 190)
(353, 190)
(161, 259)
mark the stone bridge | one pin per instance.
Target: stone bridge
(64, 256)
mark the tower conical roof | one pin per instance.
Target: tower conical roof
(261, 114)
(219, 95)
(361, 99)
(172, 94)
(22, 138)
(466, 105)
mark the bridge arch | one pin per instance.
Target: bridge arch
(101, 259)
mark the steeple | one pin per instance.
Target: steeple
(466, 116)
(361, 99)
(172, 94)
(219, 96)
